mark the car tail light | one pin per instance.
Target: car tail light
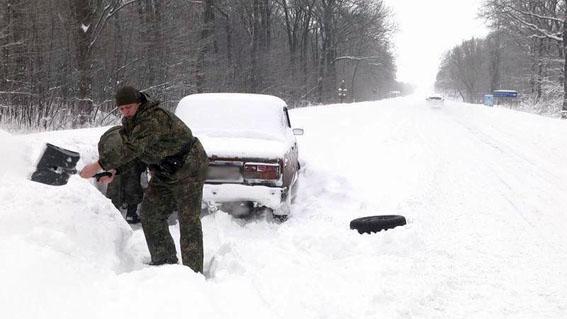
(261, 171)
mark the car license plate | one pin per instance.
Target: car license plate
(224, 173)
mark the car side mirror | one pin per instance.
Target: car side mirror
(297, 131)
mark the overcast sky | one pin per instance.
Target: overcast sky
(427, 29)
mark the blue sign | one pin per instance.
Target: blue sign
(505, 93)
(489, 100)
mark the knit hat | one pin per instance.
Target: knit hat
(127, 95)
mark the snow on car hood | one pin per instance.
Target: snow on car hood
(223, 146)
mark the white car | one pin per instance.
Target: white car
(252, 149)
(435, 100)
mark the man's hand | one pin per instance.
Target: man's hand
(90, 169)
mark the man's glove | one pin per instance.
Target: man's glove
(102, 174)
(171, 164)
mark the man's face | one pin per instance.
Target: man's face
(129, 110)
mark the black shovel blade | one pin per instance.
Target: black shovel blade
(55, 166)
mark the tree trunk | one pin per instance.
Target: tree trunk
(16, 55)
(290, 37)
(266, 24)
(205, 44)
(256, 25)
(540, 68)
(495, 63)
(352, 91)
(329, 51)
(304, 43)
(564, 109)
(82, 28)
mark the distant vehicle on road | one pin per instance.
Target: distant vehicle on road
(394, 94)
(252, 149)
(435, 100)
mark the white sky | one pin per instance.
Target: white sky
(427, 29)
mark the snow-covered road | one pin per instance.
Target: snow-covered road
(484, 191)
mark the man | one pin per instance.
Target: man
(125, 190)
(178, 165)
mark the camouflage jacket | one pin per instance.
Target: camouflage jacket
(151, 135)
(110, 149)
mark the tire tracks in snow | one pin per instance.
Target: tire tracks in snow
(465, 195)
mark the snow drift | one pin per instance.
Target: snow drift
(483, 190)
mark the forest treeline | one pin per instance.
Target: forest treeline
(524, 51)
(62, 60)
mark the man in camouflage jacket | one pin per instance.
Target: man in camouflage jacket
(178, 166)
(125, 190)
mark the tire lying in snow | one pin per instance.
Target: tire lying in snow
(372, 224)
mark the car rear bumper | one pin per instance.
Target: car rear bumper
(271, 197)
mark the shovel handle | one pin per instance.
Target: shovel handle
(98, 176)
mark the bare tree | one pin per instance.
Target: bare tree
(462, 70)
(540, 20)
(63, 60)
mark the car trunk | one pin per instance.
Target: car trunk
(250, 171)
(242, 147)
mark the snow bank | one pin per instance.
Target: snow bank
(67, 252)
(52, 238)
(12, 155)
(483, 190)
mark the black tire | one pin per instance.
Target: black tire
(372, 224)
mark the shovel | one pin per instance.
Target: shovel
(56, 165)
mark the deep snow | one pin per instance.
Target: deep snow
(483, 190)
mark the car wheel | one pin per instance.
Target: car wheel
(238, 209)
(270, 214)
(280, 218)
(284, 209)
(282, 212)
(372, 224)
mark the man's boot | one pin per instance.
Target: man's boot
(131, 215)
(171, 261)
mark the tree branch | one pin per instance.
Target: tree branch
(104, 18)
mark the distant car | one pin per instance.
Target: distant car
(434, 100)
(252, 149)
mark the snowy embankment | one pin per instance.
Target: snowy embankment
(483, 190)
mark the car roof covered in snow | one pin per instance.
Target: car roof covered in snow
(234, 99)
(233, 115)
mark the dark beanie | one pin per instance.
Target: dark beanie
(127, 95)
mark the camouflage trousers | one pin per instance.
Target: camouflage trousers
(126, 187)
(156, 208)
(161, 198)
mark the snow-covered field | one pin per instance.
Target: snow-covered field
(484, 191)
